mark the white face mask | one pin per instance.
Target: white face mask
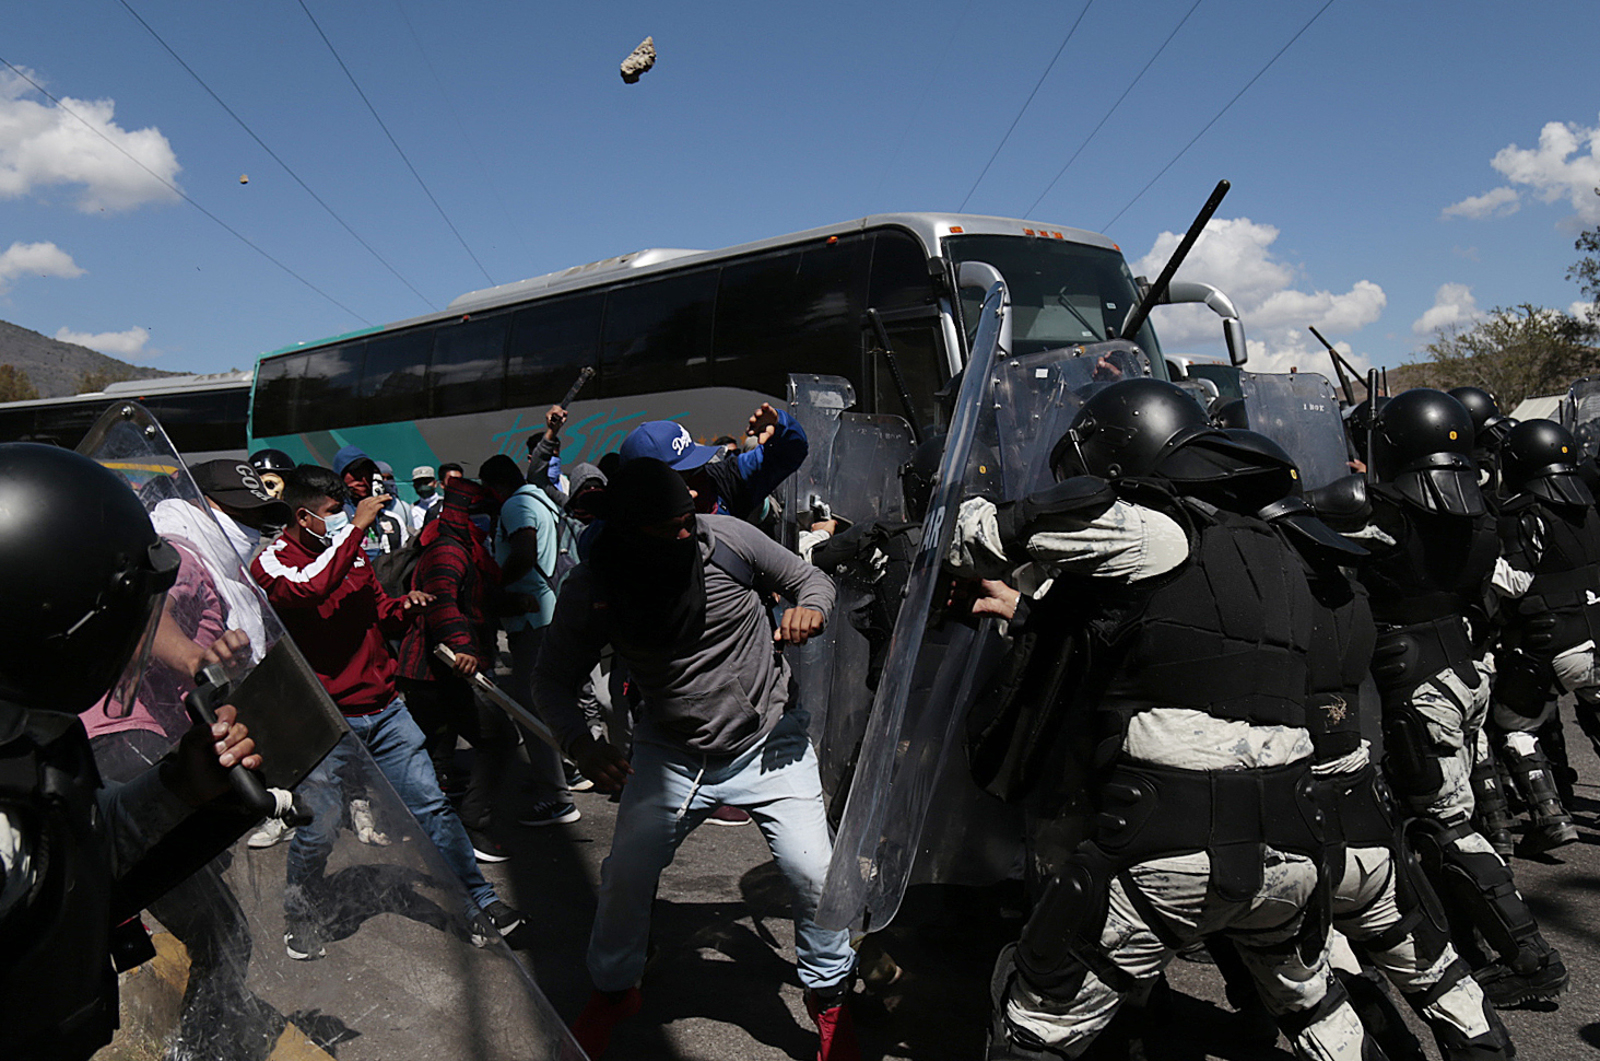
(331, 525)
(243, 539)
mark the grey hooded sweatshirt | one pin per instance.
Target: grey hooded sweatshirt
(719, 696)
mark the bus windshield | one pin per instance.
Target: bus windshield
(1062, 293)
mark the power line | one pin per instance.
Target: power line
(401, 151)
(274, 155)
(1093, 133)
(175, 190)
(1219, 115)
(455, 114)
(1025, 104)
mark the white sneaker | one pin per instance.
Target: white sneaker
(273, 831)
(366, 829)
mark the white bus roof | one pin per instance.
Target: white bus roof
(150, 386)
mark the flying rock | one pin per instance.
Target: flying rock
(639, 60)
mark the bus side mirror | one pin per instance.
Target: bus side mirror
(1233, 335)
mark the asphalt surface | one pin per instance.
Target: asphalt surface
(721, 984)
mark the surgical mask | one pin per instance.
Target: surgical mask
(331, 525)
(425, 489)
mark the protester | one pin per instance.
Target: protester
(317, 577)
(447, 471)
(458, 572)
(82, 572)
(722, 481)
(525, 548)
(428, 494)
(390, 529)
(680, 600)
(544, 456)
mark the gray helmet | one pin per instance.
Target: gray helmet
(82, 574)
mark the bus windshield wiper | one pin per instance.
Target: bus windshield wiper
(1062, 299)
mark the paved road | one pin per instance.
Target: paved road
(722, 986)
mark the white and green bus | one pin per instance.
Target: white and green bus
(697, 336)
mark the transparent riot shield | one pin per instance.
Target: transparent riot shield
(851, 472)
(394, 959)
(1300, 412)
(1580, 414)
(1037, 396)
(932, 671)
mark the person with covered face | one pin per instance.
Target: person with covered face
(679, 597)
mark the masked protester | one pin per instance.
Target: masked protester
(679, 597)
(85, 576)
(1434, 574)
(1163, 674)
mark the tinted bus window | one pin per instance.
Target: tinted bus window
(469, 365)
(550, 343)
(278, 394)
(899, 273)
(657, 335)
(394, 378)
(15, 424)
(919, 351)
(798, 307)
(202, 420)
(328, 391)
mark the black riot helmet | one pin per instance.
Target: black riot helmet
(1290, 510)
(1540, 457)
(270, 464)
(1125, 430)
(82, 573)
(1422, 446)
(1489, 427)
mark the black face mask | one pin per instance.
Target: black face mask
(654, 588)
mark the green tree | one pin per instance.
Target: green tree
(99, 379)
(1586, 270)
(1513, 353)
(15, 385)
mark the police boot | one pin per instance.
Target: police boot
(1492, 1044)
(1552, 737)
(1530, 771)
(1490, 814)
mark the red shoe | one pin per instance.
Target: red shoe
(836, 1030)
(603, 1012)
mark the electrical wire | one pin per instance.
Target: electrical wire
(401, 151)
(1218, 116)
(1096, 130)
(273, 154)
(1025, 104)
(175, 190)
(455, 114)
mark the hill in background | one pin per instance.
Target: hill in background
(55, 368)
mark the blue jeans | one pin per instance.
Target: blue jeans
(396, 746)
(670, 792)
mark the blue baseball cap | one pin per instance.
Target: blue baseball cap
(667, 441)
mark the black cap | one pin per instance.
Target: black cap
(237, 487)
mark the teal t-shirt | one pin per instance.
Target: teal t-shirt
(528, 507)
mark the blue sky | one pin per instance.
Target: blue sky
(1400, 166)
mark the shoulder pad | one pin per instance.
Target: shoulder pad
(1082, 496)
(1343, 501)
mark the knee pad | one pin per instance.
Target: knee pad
(1480, 886)
(1522, 691)
(1413, 759)
(1493, 1044)
(1067, 918)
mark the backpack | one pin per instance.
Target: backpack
(395, 570)
(568, 530)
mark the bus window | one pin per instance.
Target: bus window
(550, 343)
(278, 395)
(328, 391)
(899, 273)
(797, 307)
(920, 354)
(393, 384)
(657, 335)
(469, 365)
(16, 424)
(200, 421)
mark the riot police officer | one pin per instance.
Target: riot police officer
(1166, 673)
(1550, 529)
(1435, 566)
(83, 575)
(1489, 430)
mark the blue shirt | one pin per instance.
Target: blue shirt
(526, 508)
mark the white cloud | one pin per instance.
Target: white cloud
(42, 145)
(1452, 304)
(1497, 203)
(1565, 165)
(35, 259)
(118, 344)
(1236, 257)
(1585, 311)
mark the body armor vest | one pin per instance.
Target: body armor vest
(58, 992)
(1228, 633)
(1341, 658)
(1561, 609)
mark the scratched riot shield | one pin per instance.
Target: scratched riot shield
(1580, 414)
(398, 962)
(1037, 396)
(933, 669)
(852, 475)
(1300, 412)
